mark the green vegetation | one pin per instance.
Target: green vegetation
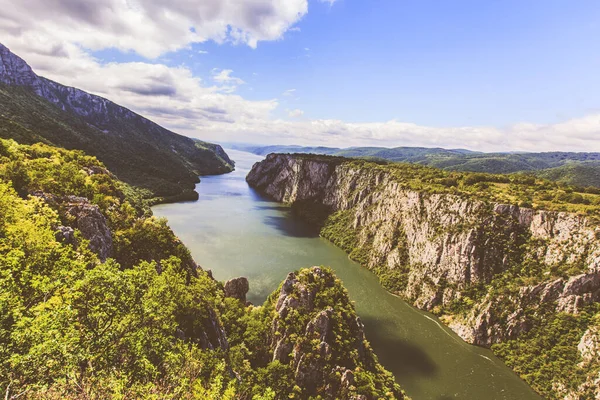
(550, 350)
(520, 189)
(138, 151)
(147, 323)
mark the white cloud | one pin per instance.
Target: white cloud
(289, 93)
(176, 99)
(295, 113)
(148, 27)
(202, 52)
(228, 83)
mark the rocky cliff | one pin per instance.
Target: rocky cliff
(491, 271)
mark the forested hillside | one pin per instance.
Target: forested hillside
(99, 299)
(579, 169)
(34, 109)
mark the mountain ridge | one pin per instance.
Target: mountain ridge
(128, 143)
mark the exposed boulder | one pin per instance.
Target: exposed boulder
(79, 213)
(92, 224)
(66, 234)
(237, 288)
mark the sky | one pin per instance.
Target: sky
(497, 75)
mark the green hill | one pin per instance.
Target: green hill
(578, 169)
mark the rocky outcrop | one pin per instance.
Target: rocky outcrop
(84, 216)
(589, 349)
(213, 335)
(306, 334)
(485, 325)
(237, 288)
(93, 226)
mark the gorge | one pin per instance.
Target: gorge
(499, 275)
(236, 232)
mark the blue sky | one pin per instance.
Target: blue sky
(509, 75)
(437, 63)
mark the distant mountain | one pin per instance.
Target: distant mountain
(264, 150)
(139, 151)
(580, 169)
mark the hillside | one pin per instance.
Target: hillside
(507, 261)
(140, 152)
(100, 300)
(579, 169)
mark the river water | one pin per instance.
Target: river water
(235, 232)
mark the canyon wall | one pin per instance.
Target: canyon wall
(490, 271)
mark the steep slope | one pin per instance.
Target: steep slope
(138, 151)
(524, 281)
(100, 299)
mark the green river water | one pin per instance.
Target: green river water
(235, 232)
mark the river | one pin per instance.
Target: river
(235, 232)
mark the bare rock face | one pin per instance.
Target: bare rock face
(448, 242)
(589, 345)
(237, 288)
(66, 234)
(85, 217)
(93, 226)
(589, 348)
(483, 326)
(213, 335)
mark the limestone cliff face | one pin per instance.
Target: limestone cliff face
(445, 243)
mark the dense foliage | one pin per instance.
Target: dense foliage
(147, 323)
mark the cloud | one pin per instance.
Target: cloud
(176, 99)
(148, 27)
(56, 37)
(224, 77)
(202, 52)
(295, 113)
